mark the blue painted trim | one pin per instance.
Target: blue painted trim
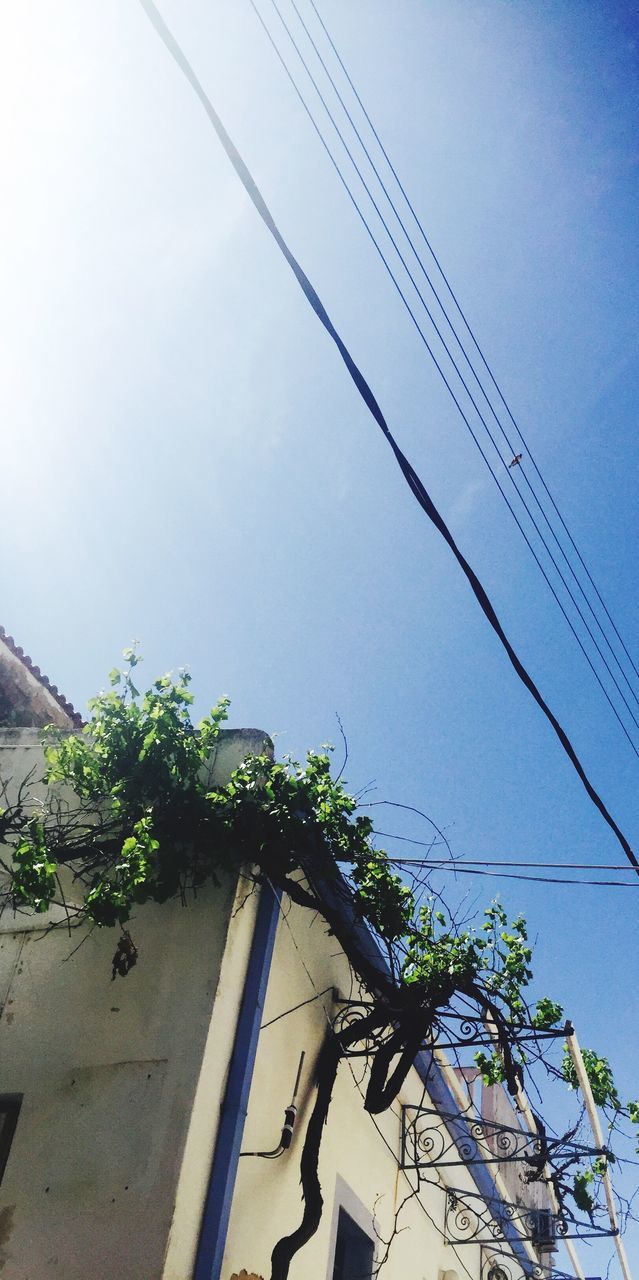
(441, 1095)
(427, 1067)
(219, 1199)
(217, 1209)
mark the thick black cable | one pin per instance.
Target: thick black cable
(439, 367)
(412, 479)
(469, 330)
(511, 447)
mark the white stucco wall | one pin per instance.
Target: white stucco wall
(122, 1085)
(109, 1072)
(359, 1162)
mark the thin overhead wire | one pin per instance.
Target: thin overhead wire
(508, 875)
(294, 1008)
(500, 862)
(413, 481)
(445, 379)
(429, 246)
(512, 448)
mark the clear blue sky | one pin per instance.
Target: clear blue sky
(186, 462)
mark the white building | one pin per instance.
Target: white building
(132, 1110)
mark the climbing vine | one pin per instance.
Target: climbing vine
(148, 823)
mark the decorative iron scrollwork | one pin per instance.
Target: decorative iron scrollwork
(475, 1219)
(461, 1030)
(348, 1017)
(505, 1266)
(437, 1139)
(451, 1030)
(496, 1265)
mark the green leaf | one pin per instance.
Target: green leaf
(581, 1195)
(547, 1014)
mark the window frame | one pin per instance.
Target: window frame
(345, 1198)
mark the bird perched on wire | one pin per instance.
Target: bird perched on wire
(516, 460)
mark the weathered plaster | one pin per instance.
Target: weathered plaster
(110, 1071)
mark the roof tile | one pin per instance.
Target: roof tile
(27, 662)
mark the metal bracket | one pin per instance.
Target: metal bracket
(496, 1265)
(440, 1139)
(468, 1031)
(471, 1218)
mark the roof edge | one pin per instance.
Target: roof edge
(43, 680)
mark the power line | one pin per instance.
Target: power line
(501, 862)
(512, 448)
(442, 373)
(466, 324)
(410, 475)
(427, 865)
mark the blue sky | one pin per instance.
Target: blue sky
(187, 463)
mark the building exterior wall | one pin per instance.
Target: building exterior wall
(360, 1158)
(123, 1082)
(109, 1071)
